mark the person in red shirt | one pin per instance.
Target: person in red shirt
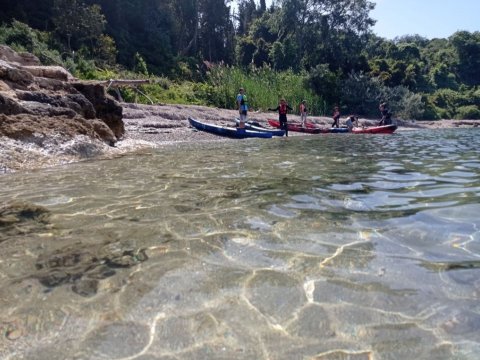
(282, 109)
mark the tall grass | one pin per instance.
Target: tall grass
(264, 88)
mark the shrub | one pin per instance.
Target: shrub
(361, 94)
(21, 37)
(470, 112)
(404, 103)
(325, 83)
(431, 112)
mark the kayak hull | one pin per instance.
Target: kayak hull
(314, 129)
(385, 129)
(309, 129)
(340, 130)
(250, 125)
(227, 131)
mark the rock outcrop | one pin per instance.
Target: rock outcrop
(42, 101)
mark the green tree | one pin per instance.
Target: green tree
(247, 13)
(186, 28)
(282, 55)
(467, 46)
(216, 31)
(260, 56)
(361, 93)
(106, 51)
(325, 83)
(37, 14)
(77, 24)
(442, 77)
(245, 48)
(147, 27)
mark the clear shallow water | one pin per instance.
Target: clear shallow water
(328, 247)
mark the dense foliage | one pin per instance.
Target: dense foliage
(201, 51)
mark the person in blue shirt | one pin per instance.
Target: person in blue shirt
(242, 105)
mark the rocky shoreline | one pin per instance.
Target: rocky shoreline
(49, 118)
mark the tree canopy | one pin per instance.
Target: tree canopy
(331, 41)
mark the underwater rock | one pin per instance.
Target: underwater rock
(85, 287)
(21, 218)
(84, 266)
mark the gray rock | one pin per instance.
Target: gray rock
(23, 58)
(9, 106)
(48, 94)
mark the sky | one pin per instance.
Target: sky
(428, 18)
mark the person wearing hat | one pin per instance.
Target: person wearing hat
(303, 112)
(242, 106)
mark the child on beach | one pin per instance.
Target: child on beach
(303, 112)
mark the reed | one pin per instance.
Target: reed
(264, 88)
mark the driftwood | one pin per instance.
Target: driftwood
(115, 84)
(122, 82)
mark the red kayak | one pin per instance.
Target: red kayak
(315, 129)
(385, 129)
(309, 128)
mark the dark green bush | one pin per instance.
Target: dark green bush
(470, 112)
(22, 38)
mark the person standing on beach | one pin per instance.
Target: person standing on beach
(242, 105)
(386, 114)
(336, 117)
(303, 112)
(282, 109)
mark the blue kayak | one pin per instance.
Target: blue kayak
(255, 126)
(338, 130)
(228, 131)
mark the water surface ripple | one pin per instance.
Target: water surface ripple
(316, 247)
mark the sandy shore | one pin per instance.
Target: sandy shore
(151, 126)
